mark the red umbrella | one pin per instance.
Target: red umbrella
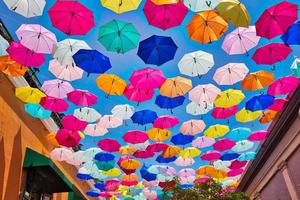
(67, 138)
(224, 113)
(72, 123)
(143, 154)
(211, 155)
(237, 164)
(54, 104)
(71, 17)
(108, 144)
(276, 20)
(157, 147)
(138, 95)
(135, 137)
(223, 144)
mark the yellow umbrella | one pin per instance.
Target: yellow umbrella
(216, 131)
(130, 164)
(157, 134)
(126, 150)
(247, 115)
(164, 2)
(29, 95)
(52, 140)
(111, 84)
(171, 151)
(112, 172)
(190, 152)
(121, 6)
(11, 67)
(234, 12)
(174, 87)
(229, 98)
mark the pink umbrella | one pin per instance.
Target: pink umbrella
(110, 121)
(223, 144)
(202, 142)
(109, 144)
(240, 41)
(163, 16)
(111, 185)
(204, 93)
(237, 164)
(183, 162)
(186, 172)
(149, 194)
(72, 123)
(165, 121)
(211, 155)
(95, 130)
(157, 147)
(25, 56)
(71, 17)
(105, 195)
(231, 73)
(147, 78)
(276, 20)
(36, 38)
(67, 138)
(224, 113)
(135, 137)
(54, 104)
(258, 135)
(143, 154)
(192, 127)
(283, 86)
(65, 72)
(278, 104)
(82, 98)
(149, 184)
(235, 172)
(203, 179)
(138, 95)
(57, 88)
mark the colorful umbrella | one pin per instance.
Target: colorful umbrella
(245, 116)
(28, 8)
(211, 155)
(198, 109)
(130, 164)
(229, 156)
(71, 17)
(206, 27)
(127, 150)
(135, 137)
(109, 145)
(223, 165)
(82, 98)
(83, 174)
(258, 136)
(103, 157)
(149, 177)
(183, 162)
(51, 139)
(57, 88)
(65, 72)
(276, 20)
(202, 142)
(67, 138)
(157, 134)
(260, 102)
(54, 104)
(138, 95)
(95, 130)
(164, 2)
(237, 164)
(87, 114)
(197, 6)
(229, 98)
(143, 154)
(92, 193)
(268, 116)
(160, 159)
(121, 6)
(246, 156)
(111, 84)
(192, 127)
(118, 36)
(157, 50)
(72, 123)
(162, 16)
(238, 134)
(169, 103)
(231, 73)
(123, 112)
(112, 172)
(189, 152)
(216, 131)
(283, 86)
(224, 113)
(61, 154)
(223, 144)
(157, 147)
(171, 151)
(291, 37)
(243, 145)
(235, 172)
(257, 80)
(109, 121)
(37, 111)
(11, 67)
(174, 87)
(144, 117)
(204, 93)
(3, 46)
(180, 139)
(165, 121)
(29, 95)
(295, 67)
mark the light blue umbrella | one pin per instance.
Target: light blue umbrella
(3, 46)
(247, 156)
(37, 111)
(243, 145)
(295, 68)
(238, 134)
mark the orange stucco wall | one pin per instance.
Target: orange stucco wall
(17, 132)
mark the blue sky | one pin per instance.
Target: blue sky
(125, 64)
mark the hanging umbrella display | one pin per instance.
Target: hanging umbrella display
(121, 6)
(246, 156)
(57, 88)
(138, 95)
(87, 114)
(95, 130)
(37, 111)
(257, 80)
(211, 155)
(29, 95)
(61, 154)
(237, 164)
(192, 127)
(109, 145)
(143, 117)
(181, 139)
(129, 179)
(258, 136)
(238, 134)
(198, 109)
(67, 138)
(223, 144)
(72, 123)
(260, 102)
(11, 68)
(103, 157)
(235, 172)
(123, 112)
(157, 147)
(36, 38)
(202, 142)
(224, 113)
(143, 154)
(196, 63)
(278, 104)
(206, 27)
(229, 156)
(174, 87)
(283, 86)
(229, 98)
(111, 84)
(165, 121)
(162, 16)
(276, 20)
(118, 36)
(65, 72)
(135, 137)
(231, 73)
(157, 50)
(71, 17)
(82, 98)
(54, 104)
(295, 67)
(216, 131)
(112, 172)
(268, 116)
(189, 152)
(183, 162)
(26, 8)
(160, 159)
(245, 116)
(171, 151)
(243, 145)
(197, 6)
(109, 121)
(240, 41)
(169, 103)
(130, 164)
(291, 37)
(3, 46)
(157, 134)
(127, 150)
(223, 165)
(204, 93)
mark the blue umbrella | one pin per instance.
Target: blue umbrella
(259, 102)
(181, 139)
(238, 134)
(157, 50)
(161, 159)
(144, 117)
(83, 176)
(292, 36)
(92, 193)
(104, 157)
(37, 111)
(92, 61)
(169, 103)
(229, 156)
(185, 186)
(147, 175)
(247, 156)
(100, 186)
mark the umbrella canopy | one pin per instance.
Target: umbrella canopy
(257, 80)
(103, 157)
(283, 86)
(165, 121)
(183, 162)
(245, 116)
(123, 112)
(181, 139)
(204, 93)
(197, 6)
(258, 136)
(95, 130)
(157, 134)
(26, 8)
(143, 154)
(87, 114)
(29, 95)
(164, 2)
(112, 172)
(135, 137)
(259, 102)
(202, 142)
(171, 151)
(278, 104)
(216, 131)
(174, 87)
(130, 164)
(169, 103)
(111, 84)
(121, 6)
(234, 12)
(207, 26)
(196, 63)
(118, 36)
(65, 72)
(109, 145)
(295, 67)
(57, 88)
(162, 16)
(243, 145)
(82, 98)
(231, 73)
(73, 123)
(237, 164)
(160, 159)
(67, 138)
(144, 117)
(229, 98)
(240, 41)
(268, 116)
(157, 147)
(10, 67)
(192, 127)
(61, 154)
(54, 104)
(211, 155)
(109, 121)
(224, 113)
(127, 150)
(3, 46)
(276, 20)
(71, 17)
(198, 109)
(189, 152)
(157, 50)
(246, 156)
(291, 37)
(238, 134)
(37, 111)
(138, 95)
(229, 156)
(223, 144)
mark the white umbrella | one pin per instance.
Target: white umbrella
(3, 46)
(204, 93)
(123, 112)
(199, 109)
(73, 160)
(110, 121)
(201, 5)
(27, 8)
(61, 154)
(65, 49)
(196, 63)
(231, 73)
(140, 146)
(224, 165)
(87, 114)
(183, 162)
(243, 145)
(65, 72)
(87, 155)
(95, 130)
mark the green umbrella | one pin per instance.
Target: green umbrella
(295, 68)
(118, 36)
(105, 166)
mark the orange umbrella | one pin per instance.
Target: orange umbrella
(206, 27)
(52, 140)
(171, 151)
(268, 116)
(157, 134)
(176, 86)
(257, 80)
(111, 84)
(11, 67)
(211, 171)
(164, 2)
(126, 150)
(130, 164)
(129, 177)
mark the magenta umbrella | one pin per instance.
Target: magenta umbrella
(235, 172)
(224, 113)
(25, 56)
(82, 98)
(147, 78)
(67, 138)
(278, 104)
(157, 147)
(165, 121)
(111, 185)
(258, 136)
(54, 104)
(165, 16)
(237, 164)
(143, 154)
(276, 20)
(135, 137)
(72, 123)
(223, 144)
(109, 144)
(71, 17)
(283, 86)
(138, 95)
(57, 88)
(211, 155)
(202, 142)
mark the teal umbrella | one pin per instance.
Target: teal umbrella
(118, 36)
(37, 111)
(295, 68)
(105, 166)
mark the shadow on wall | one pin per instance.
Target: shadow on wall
(2, 166)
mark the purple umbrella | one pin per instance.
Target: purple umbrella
(57, 88)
